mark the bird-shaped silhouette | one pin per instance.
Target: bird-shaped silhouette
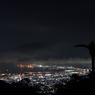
(91, 48)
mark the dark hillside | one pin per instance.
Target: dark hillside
(77, 85)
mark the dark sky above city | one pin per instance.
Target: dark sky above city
(45, 29)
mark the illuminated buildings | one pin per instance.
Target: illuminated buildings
(47, 77)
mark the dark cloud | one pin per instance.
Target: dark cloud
(30, 48)
(23, 59)
(45, 29)
(57, 50)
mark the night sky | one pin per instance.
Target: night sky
(43, 29)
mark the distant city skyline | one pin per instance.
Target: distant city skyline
(29, 66)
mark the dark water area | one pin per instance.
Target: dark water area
(13, 68)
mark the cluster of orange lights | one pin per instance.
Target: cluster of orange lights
(27, 66)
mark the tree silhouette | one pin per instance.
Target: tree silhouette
(18, 87)
(91, 48)
(80, 84)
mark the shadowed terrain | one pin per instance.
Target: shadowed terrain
(76, 85)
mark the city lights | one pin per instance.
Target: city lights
(50, 75)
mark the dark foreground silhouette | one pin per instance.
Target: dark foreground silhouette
(21, 87)
(76, 85)
(91, 48)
